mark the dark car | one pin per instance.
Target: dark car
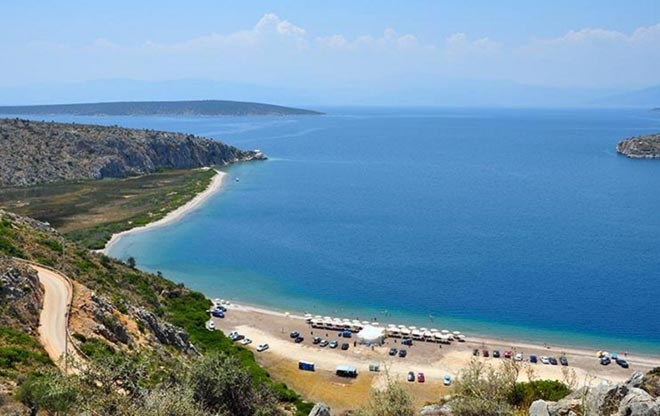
(533, 359)
(485, 353)
(411, 376)
(623, 363)
(298, 340)
(563, 360)
(294, 334)
(421, 378)
(605, 361)
(393, 351)
(407, 341)
(475, 352)
(344, 346)
(221, 308)
(237, 337)
(496, 354)
(316, 340)
(217, 313)
(508, 354)
(403, 353)
(553, 360)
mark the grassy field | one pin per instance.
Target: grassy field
(89, 212)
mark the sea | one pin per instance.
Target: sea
(517, 224)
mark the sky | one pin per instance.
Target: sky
(346, 51)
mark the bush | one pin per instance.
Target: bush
(523, 394)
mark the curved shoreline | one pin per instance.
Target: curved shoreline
(173, 216)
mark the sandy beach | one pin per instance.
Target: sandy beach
(177, 214)
(434, 360)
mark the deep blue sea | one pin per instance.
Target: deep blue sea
(509, 223)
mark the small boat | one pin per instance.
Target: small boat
(237, 180)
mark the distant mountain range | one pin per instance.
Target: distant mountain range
(160, 108)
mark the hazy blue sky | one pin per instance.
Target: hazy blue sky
(355, 47)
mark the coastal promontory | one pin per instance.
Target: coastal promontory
(641, 147)
(34, 152)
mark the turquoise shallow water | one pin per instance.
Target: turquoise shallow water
(513, 223)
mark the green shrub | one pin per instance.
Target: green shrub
(523, 394)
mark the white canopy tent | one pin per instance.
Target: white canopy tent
(371, 335)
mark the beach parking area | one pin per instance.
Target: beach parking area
(434, 360)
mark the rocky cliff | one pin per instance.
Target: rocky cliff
(20, 295)
(636, 397)
(33, 152)
(641, 147)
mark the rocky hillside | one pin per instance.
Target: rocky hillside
(160, 108)
(637, 397)
(20, 295)
(641, 147)
(33, 152)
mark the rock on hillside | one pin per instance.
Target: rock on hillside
(627, 399)
(33, 152)
(641, 147)
(21, 295)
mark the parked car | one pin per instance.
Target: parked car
(475, 352)
(238, 337)
(411, 376)
(334, 344)
(216, 313)
(563, 360)
(508, 354)
(298, 340)
(220, 308)
(262, 347)
(605, 360)
(533, 359)
(316, 340)
(344, 346)
(393, 351)
(623, 363)
(518, 357)
(407, 341)
(545, 360)
(420, 378)
(496, 354)
(232, 334)
(294, 334)
(553, 360)
(246, 341)
(485, 353)
(323, 343)
(346, 334)
(446, 380)
(403, 353)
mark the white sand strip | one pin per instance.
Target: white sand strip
(177, 214)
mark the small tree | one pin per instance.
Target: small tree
(484, 390)
(394, 400)
(131, 262)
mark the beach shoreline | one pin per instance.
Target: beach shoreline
(173, 216)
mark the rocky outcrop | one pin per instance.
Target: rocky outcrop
(21, 295)
(627, 399)
(436, 410)
(641, 147)
(33, 152)
(108, 326)
(166, 333)
(320, 409)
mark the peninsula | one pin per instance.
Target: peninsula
(641, 147)
(33, 152)
(159, 108)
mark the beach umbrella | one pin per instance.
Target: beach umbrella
(375, 323)
(318, 317)
(355, 321)
(346, 320)
(391, 326)
(405, 331)
(308, 315)
(423, 329)
(365, 322)
(412, 327)
(428, 334)
(402, 326)
(327, 318)
(444, 331)
(434, 330)
(456, 332)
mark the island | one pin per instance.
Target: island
(159, 108)
(640, 147)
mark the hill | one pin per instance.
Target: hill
(641, 147)
(34, 152)
(159, 108)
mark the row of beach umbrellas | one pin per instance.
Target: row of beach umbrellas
(403, 329)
